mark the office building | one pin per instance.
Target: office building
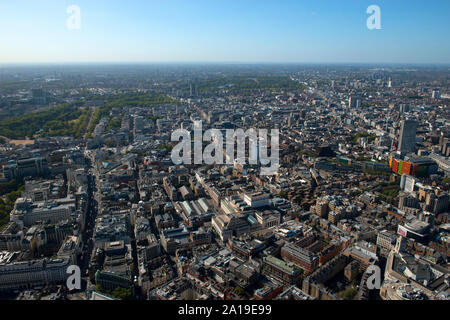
(282, 271)
(300, 256)
(32, 274)
(407, 138)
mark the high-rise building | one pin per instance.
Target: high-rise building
(444, 144)
(407, 183)
(354, 102)
(436, 94)
(192, 90)
(322, 208)
(404, 108)
(407, 138)
(38, 96)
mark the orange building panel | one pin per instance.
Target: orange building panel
(406, 167)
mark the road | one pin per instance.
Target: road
(86, 236)
(92, 109)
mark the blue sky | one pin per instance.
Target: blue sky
(315, 31)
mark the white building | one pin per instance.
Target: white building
(257, 199)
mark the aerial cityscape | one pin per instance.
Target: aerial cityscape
(264, 179)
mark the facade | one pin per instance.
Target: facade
(11, 238)
(30, 213)
(110, 281)
(415, 229)
(70, 249)
(407, 183)
(386, 240)
(407, 138)
(283, 271)
(227, 225)
(322, 208)
(30, 274)
(300, 256)
(417, 167)
(268, 219)
(256, 200)
(26, 167)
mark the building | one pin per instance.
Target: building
(282, 271)
(11, 237)
(109, 280)
(436, 94)
(70, 248)
(407, 183)
(322, 208)
(228, 225)
(33, 274)
(114, 227)
(386, 240)
(246, 249)
(257, 199)
(366, 256)
(294, 293)
(30, 213)
(268, 219)
(313, 285)
(354, 102)
(407, 138)
(416, 167)
(351, 270)
(269, 291)
(37, 166)
(300, 256)
(415, 229)
(39, 96)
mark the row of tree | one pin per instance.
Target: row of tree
(8, 200)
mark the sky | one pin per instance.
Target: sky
(230, 31)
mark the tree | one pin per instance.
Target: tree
(283, 194)
(99, 288)
(122, 293)
(349, 293)
(8, 204)
(63, 120)
(239, 291)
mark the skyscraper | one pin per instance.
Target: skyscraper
(407, 139)
(404, 108)
(436, 94)
(354, 102)
(193, 90)
(39, 96)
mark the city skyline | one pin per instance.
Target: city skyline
(224, 32)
